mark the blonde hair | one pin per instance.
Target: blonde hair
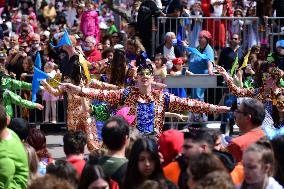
(32, 162)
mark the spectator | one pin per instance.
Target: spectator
(277, 144)
(133, 136)
(74, 143)
(132, 30)
(49, 12)
(20, 127)
(115, 39)
(229, 54)
(32, 162)
(258, 162)
(93, 176)
(249, 117)
(111, 26)
(14, 170)
(67, 58)
(14, 41)
(91, 52)
(278, 6)
(15, 64)
(144, 163)
(277, 57)
(49, 181)
(169, 49)
(197, 65)
(214, 180)
(200, 165)
(150, 184)
(89, 24)
(170, 143)
(173, 9)
(115, 134)
(213, 8)
(133, 48)
(146, 11)
(237, 24)
(35, 46)
(195, 142)
(38, 141)
(63, 170)
(160, 70)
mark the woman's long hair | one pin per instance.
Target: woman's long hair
(91, 173)
(77, 73)
(133, 177)
(118, 68)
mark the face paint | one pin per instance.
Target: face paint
(278, 102)
(145, 73)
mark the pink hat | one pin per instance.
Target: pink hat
(206, 34)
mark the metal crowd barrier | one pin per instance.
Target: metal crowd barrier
(213, 94)
(253, 30)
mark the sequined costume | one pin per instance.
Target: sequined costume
(76, 117)
(149, 109)
(9, 97)
(258, 93)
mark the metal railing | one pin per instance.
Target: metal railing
(253, 30)
(213, 94)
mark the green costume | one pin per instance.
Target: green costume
(9, 97)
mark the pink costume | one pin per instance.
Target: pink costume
(89, 25)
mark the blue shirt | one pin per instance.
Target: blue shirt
(198, 65)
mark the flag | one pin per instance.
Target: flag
(84, 63)
(38, 75)
(195, 51)
(38, 61)
(234, 65)
(65, 40)
(179, 36)
(245, 62)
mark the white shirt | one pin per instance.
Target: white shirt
(218, 9)
(170, 55)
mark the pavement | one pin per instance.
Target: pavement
(54, 136)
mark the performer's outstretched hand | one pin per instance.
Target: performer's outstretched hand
(70, 87)
(223, 72)
(39, 106)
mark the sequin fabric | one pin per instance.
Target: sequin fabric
(77, 118)
(161, 101)
(145, 117)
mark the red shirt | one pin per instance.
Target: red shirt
(77, 162)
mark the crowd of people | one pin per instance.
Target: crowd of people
(111, 81)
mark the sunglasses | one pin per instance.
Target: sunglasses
(235, 39)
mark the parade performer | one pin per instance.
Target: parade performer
(7, 97)
(146, 104)
(267, 84)
(77, 118)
